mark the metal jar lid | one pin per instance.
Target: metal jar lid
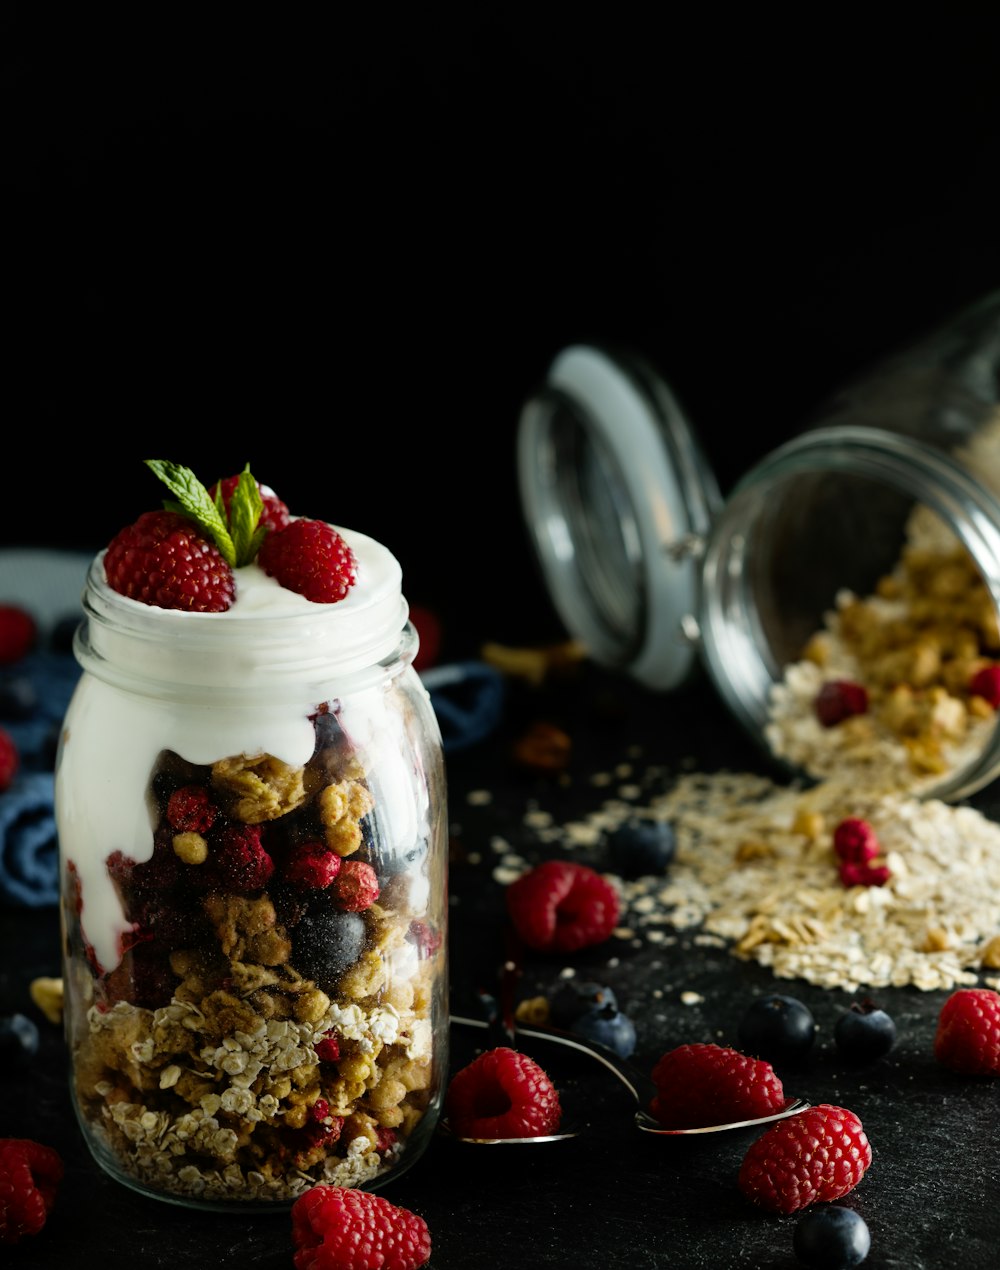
(619, 500)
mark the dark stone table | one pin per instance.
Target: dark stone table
(611, 1199)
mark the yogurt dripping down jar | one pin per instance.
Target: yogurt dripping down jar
(242, 1025)
(861, 557)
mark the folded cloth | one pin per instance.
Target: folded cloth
(468, 699)
(29, 856)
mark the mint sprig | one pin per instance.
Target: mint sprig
(237, 535)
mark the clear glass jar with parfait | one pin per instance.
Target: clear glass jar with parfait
(251, 808)
(843, 596)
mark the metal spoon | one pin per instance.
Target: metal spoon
(639, 1086)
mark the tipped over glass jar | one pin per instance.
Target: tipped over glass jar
(252, 824)
(844, 597)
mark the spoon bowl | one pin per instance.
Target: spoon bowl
(641, 1088)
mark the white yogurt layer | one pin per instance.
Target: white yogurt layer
(213, 685)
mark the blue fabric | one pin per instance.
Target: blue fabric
(468, 699)
(29, 856)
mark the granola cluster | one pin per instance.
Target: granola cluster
(270, 1024)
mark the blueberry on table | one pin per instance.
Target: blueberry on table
(608, 1027)
(865, 1032)
(831, 1238)
(576, 997)
(640, 847)
(777, 1027)
(18, 1041)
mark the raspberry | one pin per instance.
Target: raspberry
(985, 683)
(967, 1040)
(10, 760)
(328, 1049)
(704, 1084)
(356, 886)
(311, 558)
(855, 840)
(838, 699)
(274, 513)
(191, 810)
(817, 1156)
(852, 874)
(311, 866)
(29, 1178)
(239, 858)
(502, 1094)
(561, 906)
(18, 633)
(336, 1228)
(163, 560)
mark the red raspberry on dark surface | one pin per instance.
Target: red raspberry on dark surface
(30, 1174)
(311, 866)
(239, 859)
(311, 558)
(18, 633)
(705, 1084)
(817, 1156)
(191, 809)
(274, 513)
(967, 1040)
(356, 886)
(502, 1094)
(855, 840)
(839, 699)
(163, 560)
(336, 1228)
(561, 906)
(10, 760)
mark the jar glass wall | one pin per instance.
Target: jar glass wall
(252, 824)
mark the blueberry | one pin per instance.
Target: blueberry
(327, 942)
(577, 997)
(608, 1027)
(18, 1041)
(831, 1238)
(641, 847)
(777, 1027)
(864, 1032)
(18, 697)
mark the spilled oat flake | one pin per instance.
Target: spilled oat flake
(755, 870)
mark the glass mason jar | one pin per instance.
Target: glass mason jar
(252, 824)
(862, 554)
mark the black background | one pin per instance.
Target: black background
(345, 249)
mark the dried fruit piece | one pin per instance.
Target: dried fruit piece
(967, 1040)
(839, 699)
(562, 906)
(985, 683)
(817, 1156)
(703, 1084)
(855, 840)
(336, 1228)
(502, 1094)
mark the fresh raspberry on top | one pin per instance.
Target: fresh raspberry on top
(311, 558)
(816, 1156)
(336, 1228)
(561, 906)
(274, 514)
(30, 1174)
(163, 559)
(502, 1094)
(967, 1040)
(10, 760)
(839, 699)
(18, 633)
(704, 1084)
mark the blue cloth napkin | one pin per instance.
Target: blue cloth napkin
(29, 855)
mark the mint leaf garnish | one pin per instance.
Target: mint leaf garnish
(238, 535)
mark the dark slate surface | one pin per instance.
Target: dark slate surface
(611, 1199)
